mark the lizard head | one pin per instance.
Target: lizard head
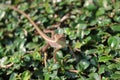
(60, 38)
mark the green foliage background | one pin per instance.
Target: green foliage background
(92, 29)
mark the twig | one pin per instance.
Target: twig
(66, 16)
(6, 66)
(74, 71)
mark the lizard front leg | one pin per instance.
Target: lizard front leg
(45, 53)
(54, 54)
(47, 45)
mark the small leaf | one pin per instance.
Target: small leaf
(115, 76)
(113, 42)
(101, 69)
(67, 31)
(31, 45)
(94, 76)
(26, 75)
(47, 76)
(2, 14)
(100, 11)
(48, 8)
(24, 6)
(117, 18)
(84, 64)
(115, 27)
(36, 56)
(13, 76)
(70, 60)
(55, 66)
(59, 55)
(91, 7)
(81, 26)
(105, 58)
(3, 61)
(78, 44)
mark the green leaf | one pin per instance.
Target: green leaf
(81, 26)
(113, 42)
(24, 6)
(84, 64)
(70, 60)
(54, 76)
(47, 76)
(2, 14)
(48, 7)
(59, 55)
(3, 60)
(94, 76)
(100, 11)
(26, 75)
(16, 57)
(91, 7)
(78, 44)
(105, 58)
(13, 76)
(114, 65)
(31, 45)
(115, 76)
(111, 66)
(55, 66)
(115, 27)
(117, 18)
(36, 56)
(67, 31)
(101, 69)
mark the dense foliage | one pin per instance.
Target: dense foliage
(92, 29)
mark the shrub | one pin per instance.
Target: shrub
(91, 28)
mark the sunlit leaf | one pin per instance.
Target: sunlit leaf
(113, 42)
(115, 27)
(26, 75)
(13, 76)
(105, 58)
(2, 14)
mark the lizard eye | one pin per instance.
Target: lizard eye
(59, 36)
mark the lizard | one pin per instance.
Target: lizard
(58, 41)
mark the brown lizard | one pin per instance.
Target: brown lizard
(58, 41)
